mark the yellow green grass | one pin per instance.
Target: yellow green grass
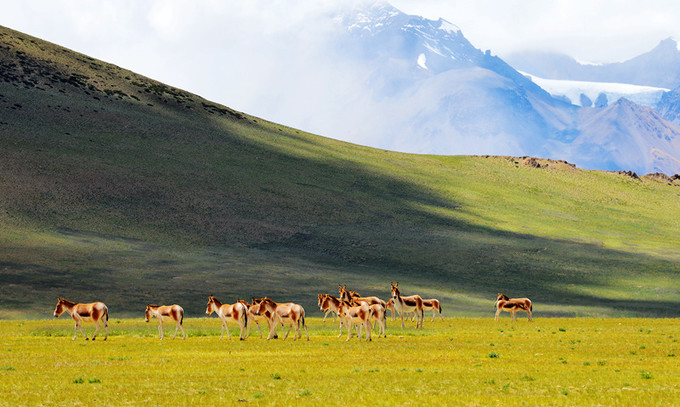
(458, 361)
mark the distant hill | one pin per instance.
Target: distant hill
(118, 188)
(624, 134)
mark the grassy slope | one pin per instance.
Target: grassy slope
(119, 188)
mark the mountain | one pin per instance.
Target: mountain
(406, 83)
(401, 82)
(119, 188)
(443, 90)
(668, 106)
(657, 68)
(619, 135)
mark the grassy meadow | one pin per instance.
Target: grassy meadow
(457, 361)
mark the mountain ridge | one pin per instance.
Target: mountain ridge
(656, 68)
(411, 84)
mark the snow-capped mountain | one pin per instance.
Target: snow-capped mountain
(424, 88)
(381, 78)
(659, 67)
(599, 94)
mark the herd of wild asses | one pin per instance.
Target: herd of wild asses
(352, 309)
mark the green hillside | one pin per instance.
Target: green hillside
(118, 188)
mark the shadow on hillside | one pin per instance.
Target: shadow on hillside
(393, 237)
(405, 241)
(188, 178)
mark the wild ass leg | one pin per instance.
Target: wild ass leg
(80, 326)
(244, 326)
(75, 332)
(176, 329)
(342, 323)
(224, 325)
(179, 325)
(272, 327)
(304, 325)
(298, 334)
(96, 330)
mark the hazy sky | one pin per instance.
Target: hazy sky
(210, 46)
(594, 30)
(589, 30)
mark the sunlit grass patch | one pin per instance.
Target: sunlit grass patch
(529, 367)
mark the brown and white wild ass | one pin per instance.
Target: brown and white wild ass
(166, 313)
(330, 302)
(407, 304)
(379, 315)
(254, 317)
(355, 314)
(95, 311)
(235, 312)
(389, 305)
(433, 305)
(512, 305)
(327, 305)
(369, 300)
(290, 313)
(430, 305)
(357, 299)
(343, 294)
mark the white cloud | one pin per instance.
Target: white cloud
(599, 31)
